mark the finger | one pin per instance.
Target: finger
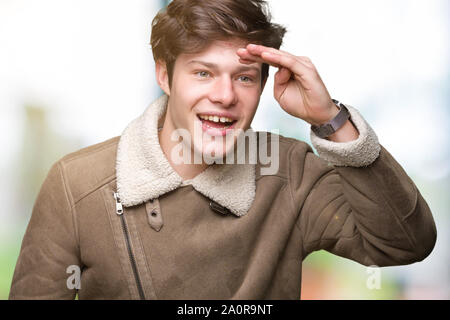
(282, 76)
(257, 49)
(244, 54)
(255, 53)
(243, 61)
(287, 61)
(307, 61)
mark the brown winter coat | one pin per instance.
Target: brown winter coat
(229, 233)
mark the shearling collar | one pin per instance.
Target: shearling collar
(144, 173)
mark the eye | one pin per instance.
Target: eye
(245, 79)
(202, 74)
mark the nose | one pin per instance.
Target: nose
(223, 92)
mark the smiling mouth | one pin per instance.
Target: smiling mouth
(216, 121)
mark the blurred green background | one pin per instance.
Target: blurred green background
(75, 73)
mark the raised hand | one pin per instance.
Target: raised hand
(298, 87)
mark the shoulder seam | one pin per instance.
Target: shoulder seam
(98, 186)
(70, 201)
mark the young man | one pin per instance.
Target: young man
(126, 219)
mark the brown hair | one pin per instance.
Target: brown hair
(189, 26)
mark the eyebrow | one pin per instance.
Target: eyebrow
(215, 66)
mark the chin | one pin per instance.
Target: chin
(216, 152)
(212, 147)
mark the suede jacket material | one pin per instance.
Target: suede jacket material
(119, 214)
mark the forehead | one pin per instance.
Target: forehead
(229, 44)
(220, 53)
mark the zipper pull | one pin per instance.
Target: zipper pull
(119, 208)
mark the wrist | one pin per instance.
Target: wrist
(348, 132)
(333, 111)
(340, 118)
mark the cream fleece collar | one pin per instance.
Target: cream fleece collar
(144, 173)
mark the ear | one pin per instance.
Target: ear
(162, 77)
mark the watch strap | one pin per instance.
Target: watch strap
(334, 124)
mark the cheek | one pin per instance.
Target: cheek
(189, 94)
(184, 98)
(251, 102)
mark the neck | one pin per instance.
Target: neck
(185, 171)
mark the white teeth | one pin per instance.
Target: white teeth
(215, 118)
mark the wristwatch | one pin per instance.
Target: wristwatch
(334, 124)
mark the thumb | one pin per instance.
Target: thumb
(282, 78)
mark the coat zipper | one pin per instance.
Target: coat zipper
(119, 211)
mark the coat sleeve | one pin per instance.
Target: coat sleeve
(363, 206)
(49, 246)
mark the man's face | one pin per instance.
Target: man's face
(212, 93)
